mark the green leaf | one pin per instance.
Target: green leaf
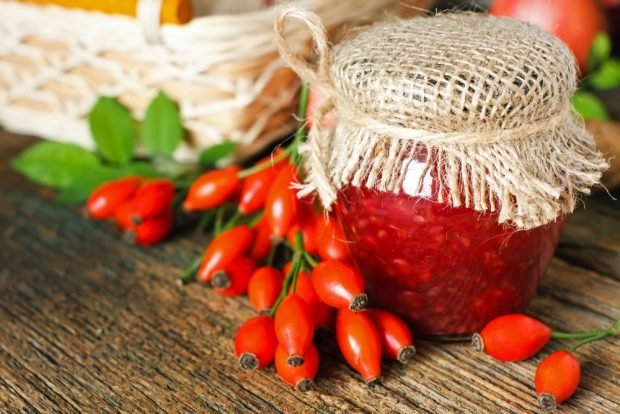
(162, 130)
(142, 168)
(79, 191)
(589, 106)
(607, 76)
(113, 130)
(55, 164)
(210, 156)
(599, 50)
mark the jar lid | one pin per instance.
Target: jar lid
(452, 72)
(485, 99)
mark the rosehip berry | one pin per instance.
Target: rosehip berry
(300, 376)
(122, 216)
(396, 339)
(512, 337)
(255, 343)
(212, 189)
(264, 287)
(330, 240)
(233, 280)
(262, 242)
(281, 203)
(360, 343)
(152, 199)
(557, 378)
(223, 249)
(256, 186)
(340, 285)
(151, 231)
(294, 328)
(322, 315)
(108, 197)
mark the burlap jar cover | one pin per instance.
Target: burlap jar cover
(486, 98)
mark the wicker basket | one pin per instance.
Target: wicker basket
(222, 69)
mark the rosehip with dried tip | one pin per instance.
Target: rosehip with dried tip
(294, 328)
(340, 285)
(255, 343)
(223, 249)
(396, 338)
(557, 378)
(301, 377)
(152, 199)
(234, 279)
(512, 337)
(360, 343)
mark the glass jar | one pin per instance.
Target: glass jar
(447, 271)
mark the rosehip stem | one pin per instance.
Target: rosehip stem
(302, 131)
(254, 221)
(219, 218)
(189, 274)
(587, 337)
(260, 167)
(206, 220)
(310, 260)
(233, 221)
(287, 283)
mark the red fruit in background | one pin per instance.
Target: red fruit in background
(330, 240)
(281, 204)
(223, 249)
(360, 343)
(322, 314)
(255, 343)
(576, 22)
(122, 216)
(294, 328)
(153, 198)
(557, 378)
(396, 339)
(301, 376)
(262, 241)
(255, 187)
(513, 337)
(315, 100)
(212, 189)
(264, 287)
(340, 285)
(234, 278)
(153, 230)
(108, 197)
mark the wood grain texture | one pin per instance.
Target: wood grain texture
(90, 324)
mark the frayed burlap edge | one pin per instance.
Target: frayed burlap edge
(529, 175)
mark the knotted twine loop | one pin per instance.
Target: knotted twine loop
(486, 99)
(318, 76)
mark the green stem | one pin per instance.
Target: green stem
(310, 260)
(272, 252)
(585, 335)
(219, 218)
(233, 221)
(189, 274)
(205, 220)
(597, 336)
(287, 284)
(254, 221)
(302, 131)
(262, 166)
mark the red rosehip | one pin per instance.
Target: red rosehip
(557, 378)
(223, 249)
(300, 376)
(212, 189)
(512, 337)
(294, 328)
(108, 197)
(152, 199)
(234, 278)
(396, 339)
(360, 343)
(340, 285)
(264, 287)
(255, 343)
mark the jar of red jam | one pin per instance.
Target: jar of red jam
(453, 160)
(445, 270)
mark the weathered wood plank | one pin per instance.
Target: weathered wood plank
(90, 324)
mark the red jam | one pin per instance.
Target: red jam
(447, 271)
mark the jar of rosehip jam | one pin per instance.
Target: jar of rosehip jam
(452, 163)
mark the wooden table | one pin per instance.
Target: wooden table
(90, 324)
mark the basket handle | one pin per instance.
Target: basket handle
(149, 15)
(306, 70)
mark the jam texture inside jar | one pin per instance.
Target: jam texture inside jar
(447, 271)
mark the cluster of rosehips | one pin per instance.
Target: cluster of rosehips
(141, 208)
(517, 337)
(317, 288)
